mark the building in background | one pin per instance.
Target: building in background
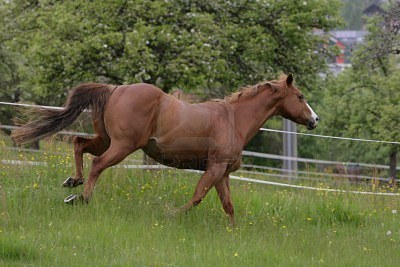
(347, 42)
(375, 8)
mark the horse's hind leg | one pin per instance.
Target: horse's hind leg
(112, 156)
(96, 146)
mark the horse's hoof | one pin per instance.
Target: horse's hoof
(71, 182)
(172, 212)
(74, 199)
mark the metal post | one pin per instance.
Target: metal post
(290, 148)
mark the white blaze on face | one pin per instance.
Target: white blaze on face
(313, 115)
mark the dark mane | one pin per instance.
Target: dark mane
(249, 90)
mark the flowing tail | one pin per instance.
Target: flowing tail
(50, 121)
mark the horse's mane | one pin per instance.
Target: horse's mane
(250, 90)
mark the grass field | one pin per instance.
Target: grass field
(127, 222)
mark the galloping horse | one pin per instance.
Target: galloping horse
(207, 136)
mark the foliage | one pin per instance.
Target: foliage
(9, 77)
(363, 101)
(384, 38)
(212, 47)
(352, 12)
(350, 109)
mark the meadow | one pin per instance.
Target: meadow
(128, 221)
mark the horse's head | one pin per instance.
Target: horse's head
(292, 104)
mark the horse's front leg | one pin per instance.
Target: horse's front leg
(210, 177)
(224, 193)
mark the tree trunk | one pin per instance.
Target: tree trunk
(393, 165)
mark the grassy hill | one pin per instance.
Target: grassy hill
(128, 222)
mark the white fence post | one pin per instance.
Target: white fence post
(290, 148)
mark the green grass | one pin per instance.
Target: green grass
(128, 223)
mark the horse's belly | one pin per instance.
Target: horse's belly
(183, 154)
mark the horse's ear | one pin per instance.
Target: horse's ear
(289, 79)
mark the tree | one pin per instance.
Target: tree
(376, 57)
(9, 77)
(363, 101)
(210, 47)
(196, 45)
(352, 11)
(384, 38)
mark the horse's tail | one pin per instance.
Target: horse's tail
(88, 95)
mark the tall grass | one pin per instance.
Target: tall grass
(128, 222)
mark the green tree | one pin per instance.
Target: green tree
(352, 12)
(210, 47)
(216, 46)
(363, 101)
(9, 77)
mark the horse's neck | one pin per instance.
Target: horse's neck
(251, 113)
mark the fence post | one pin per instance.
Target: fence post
(290, 148)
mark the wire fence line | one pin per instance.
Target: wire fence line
(246, 168)
(247, 153)
(316, 161)
(302, 175)
(30, 105)
(321, 176)
(10, 127)
(332, 137)
(311, 187)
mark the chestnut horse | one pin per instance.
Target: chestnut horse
(207, 136)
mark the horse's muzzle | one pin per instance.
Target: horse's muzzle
(312, 123)
(313, 119)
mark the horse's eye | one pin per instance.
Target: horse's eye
(301, 97)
